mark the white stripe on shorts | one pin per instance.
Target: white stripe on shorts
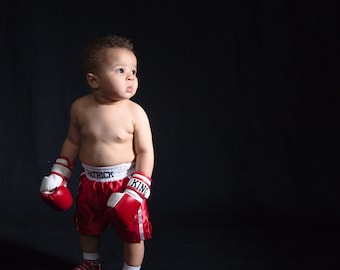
(140, 221)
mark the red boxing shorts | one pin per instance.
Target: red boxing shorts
(96, 184)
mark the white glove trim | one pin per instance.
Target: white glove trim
(61, 167)
(114, 199)
(117, 196)
(51, 182)
(134, 194)
(140, 184)
(143, 178)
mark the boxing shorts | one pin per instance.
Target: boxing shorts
(96, 184)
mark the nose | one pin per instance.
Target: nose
(131, 76)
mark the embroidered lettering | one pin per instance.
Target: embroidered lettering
(139, 186)
(100, 175)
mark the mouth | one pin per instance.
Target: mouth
(129, 89)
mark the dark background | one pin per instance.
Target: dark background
(243, 101)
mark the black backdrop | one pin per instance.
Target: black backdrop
(242, 97)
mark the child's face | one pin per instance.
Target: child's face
(117, 74)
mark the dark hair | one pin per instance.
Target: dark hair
(90, 57)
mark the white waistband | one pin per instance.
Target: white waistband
(110, 173)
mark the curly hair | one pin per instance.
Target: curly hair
(90, 57)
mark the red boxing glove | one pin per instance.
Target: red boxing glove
(59, 199)
(53, 188)
(124, 206)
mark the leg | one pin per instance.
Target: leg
(134, 253)
(90, 248)
(89, 243)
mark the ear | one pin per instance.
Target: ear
(92, 80)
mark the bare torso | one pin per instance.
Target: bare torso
(105, 131)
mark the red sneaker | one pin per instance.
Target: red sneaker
(89, 265)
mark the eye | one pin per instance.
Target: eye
(134, 72)
(120, 70)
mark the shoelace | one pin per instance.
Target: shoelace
(88, 265)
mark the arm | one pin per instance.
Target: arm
(71, 145)
(124, 206)
(62, 168)
(143, 143)
(53, 188)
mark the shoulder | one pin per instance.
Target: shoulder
(135, 108)
(82, 102)
(139, 115)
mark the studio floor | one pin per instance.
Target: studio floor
(181, 243)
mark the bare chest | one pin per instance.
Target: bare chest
(106, 126)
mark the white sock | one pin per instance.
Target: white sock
(91, 256)
(127, 267)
